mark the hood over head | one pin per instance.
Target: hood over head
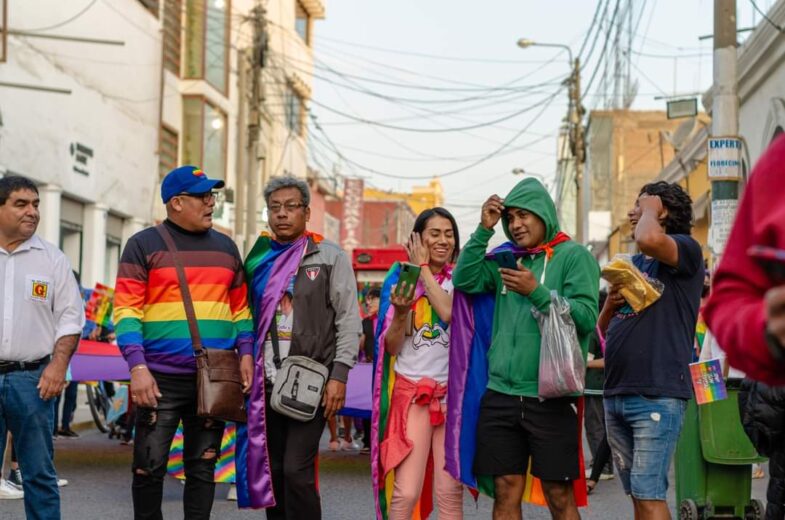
(531, 195)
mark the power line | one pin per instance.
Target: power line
(64, 22)
(766, 17)
(490, 155)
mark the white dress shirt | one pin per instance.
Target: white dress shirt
(40, 300)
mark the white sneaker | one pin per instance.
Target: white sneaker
(9, 492)
(349, 446)
(61, 482)
(232, 494)
(606, 476)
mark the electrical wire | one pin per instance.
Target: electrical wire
(766, 17)
(64, 22)
(490, 155)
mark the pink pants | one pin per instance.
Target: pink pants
(410, 473)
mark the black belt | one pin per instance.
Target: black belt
(13, 366)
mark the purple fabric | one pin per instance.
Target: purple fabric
(259, 474)
(461, 332)
(85, 367)
(358, 386)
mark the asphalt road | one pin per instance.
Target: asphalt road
(99, 474)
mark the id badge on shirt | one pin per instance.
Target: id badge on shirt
(38, 288)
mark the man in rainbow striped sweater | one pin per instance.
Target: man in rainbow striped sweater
(153, 335)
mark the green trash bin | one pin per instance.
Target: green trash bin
(714, 460)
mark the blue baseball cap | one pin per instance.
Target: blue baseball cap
(187, 179)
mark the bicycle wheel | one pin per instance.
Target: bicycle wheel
(98, 407)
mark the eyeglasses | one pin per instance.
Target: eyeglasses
(205, 197)
(289, 207)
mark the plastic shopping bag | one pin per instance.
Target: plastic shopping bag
(562, 367)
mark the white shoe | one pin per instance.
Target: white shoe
(9, 492)
(232, 494)
(61, 482)
(606, 476)
(349, 446)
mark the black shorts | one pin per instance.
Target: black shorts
(511, 429)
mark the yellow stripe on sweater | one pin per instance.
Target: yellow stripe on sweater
(175, 311)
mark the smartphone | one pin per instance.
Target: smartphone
(407, 279)
(506, 260)
(771, 259)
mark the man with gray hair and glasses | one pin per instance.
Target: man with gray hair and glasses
(303, 297)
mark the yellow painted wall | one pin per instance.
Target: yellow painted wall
(420, 199)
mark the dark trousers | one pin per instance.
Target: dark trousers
(775, 492)
(293, 447)
(155, 429)
(69, 406)
(595, 431)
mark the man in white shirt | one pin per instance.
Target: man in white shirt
(41, 319)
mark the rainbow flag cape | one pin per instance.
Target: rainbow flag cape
(384, 381)
(470, 339)
(224, 466)
(99, 305)
(707, 381)
(269, 267)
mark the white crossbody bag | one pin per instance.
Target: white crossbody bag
(299, 383)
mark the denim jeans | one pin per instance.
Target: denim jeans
(155, 429)
(30, 421)
(68, 397)
(642, 433)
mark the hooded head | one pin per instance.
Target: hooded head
(532, 197)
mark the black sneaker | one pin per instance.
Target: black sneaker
(15, 478)
(67, 433)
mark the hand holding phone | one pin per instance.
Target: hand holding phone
(407, 279)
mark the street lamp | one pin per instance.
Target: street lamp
(576, 125)
(525, 43)
(538, 176)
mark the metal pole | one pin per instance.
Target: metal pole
(578, 151)
(725, 125)
(254, 122)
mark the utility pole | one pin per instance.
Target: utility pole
(578, 146)
(254, 123)
(724, 154)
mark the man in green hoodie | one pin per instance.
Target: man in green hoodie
(514, 425)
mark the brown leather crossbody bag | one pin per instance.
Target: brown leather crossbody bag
(218, 381)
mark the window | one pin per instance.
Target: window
(204, 136)
(294, 111)
(114, 230)
(173, 28)
(151, 5)
(302, 22)
(167, 160)
(207, 42)
(71, 235)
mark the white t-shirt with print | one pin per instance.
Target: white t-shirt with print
(425, 351)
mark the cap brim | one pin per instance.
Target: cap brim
(205, 186)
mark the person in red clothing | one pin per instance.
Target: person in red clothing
(746, 310)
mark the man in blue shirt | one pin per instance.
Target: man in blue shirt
(647, 381)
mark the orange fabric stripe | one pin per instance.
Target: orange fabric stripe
(199, 293)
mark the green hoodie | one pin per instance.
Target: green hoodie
(514, 355)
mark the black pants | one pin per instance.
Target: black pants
(293, 447)
(595, 432)
(155, 429)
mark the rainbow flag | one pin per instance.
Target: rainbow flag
(707, 381)
(99, 305)
(269, 267)
(224, 466)
(383, 383)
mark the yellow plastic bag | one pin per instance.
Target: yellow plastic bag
(636, 289)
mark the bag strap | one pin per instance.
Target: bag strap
(274, 341)
(188, 302)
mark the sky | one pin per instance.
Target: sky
(430, 65)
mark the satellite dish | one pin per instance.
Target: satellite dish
(678, 137)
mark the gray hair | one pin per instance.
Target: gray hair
(287, 181)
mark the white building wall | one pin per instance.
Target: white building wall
(112, 110)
